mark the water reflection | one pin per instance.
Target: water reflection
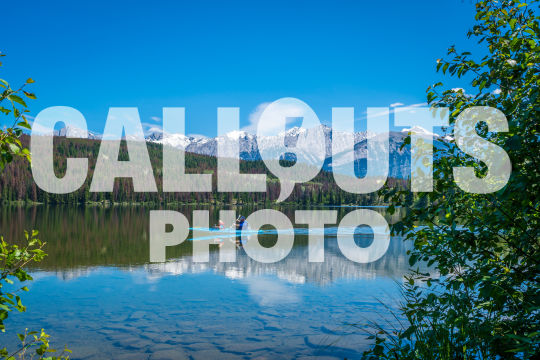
(295, 268)
(97, 292)
(79, 237)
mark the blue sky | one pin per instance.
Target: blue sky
(200, 55)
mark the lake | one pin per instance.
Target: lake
(97, 292)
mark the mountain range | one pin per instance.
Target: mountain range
(399, 162)
(248, 143)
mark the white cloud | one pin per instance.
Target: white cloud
(385, 112)
(254, 118)
(458, 90)
(154, 129)
(155, 118)
(496, 91)
(38, 129)
(293, 109)
(267, 291)
(256, 114)
(149, 128)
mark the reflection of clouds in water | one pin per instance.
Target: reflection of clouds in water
(179, 267)
(268, 284)
(291, 277)
(141, 277)
(267, 291)
(234, 273)
(294, 269)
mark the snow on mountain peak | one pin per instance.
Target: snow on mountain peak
(174, 140)
(76, 132)
(294, 131)
(248, 143)
(236, 134)
(419, 131)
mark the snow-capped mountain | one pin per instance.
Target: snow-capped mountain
(420, 131)
(399, 163)
(76, 132)
(399, 159)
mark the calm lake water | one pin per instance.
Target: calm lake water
(97, 293)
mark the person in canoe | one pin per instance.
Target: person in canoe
(241, 223)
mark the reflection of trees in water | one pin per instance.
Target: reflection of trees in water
(80, 237)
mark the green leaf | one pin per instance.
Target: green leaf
(29, 95)
(24, 125)
(413, 259)
(17, 99)
(14, 148)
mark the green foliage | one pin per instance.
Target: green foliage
(14, 258)
(37, 341)
(10, 144)
(480, 299)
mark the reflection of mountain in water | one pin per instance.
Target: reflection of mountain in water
(82, 239)
(295, 268)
